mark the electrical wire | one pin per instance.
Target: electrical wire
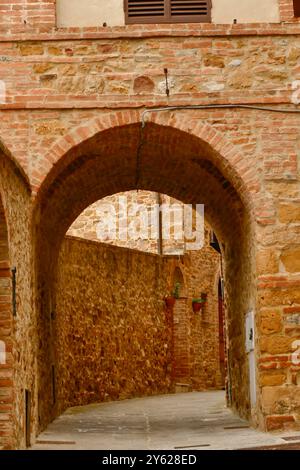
(218, 106)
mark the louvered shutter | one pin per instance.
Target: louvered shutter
(167, 11)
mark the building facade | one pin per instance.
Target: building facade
(200, 105)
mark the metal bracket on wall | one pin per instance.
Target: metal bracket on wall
(14, 291)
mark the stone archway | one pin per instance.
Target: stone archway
(178, 157)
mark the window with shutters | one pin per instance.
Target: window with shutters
(297, 8)
(167, 11)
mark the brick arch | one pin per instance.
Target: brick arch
(229, 156)
(180, 157)
(286, 10)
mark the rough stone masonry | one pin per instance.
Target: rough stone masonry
(70, 128)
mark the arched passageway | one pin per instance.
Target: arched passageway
(164, 159)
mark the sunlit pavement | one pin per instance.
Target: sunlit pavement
(183, 421)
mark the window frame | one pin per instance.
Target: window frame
(168, 18)
(296, 7)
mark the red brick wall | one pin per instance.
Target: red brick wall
(181, 350)
(287, 11)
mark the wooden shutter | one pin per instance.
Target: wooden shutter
(145, 11)
(167, 11)
(297, 8)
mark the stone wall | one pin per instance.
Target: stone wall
(204, 272)
(137, 228)
(6, 338)
(104, 71)
(113, 336)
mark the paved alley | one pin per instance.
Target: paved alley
(183, 421)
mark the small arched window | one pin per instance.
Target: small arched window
(178, 282)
